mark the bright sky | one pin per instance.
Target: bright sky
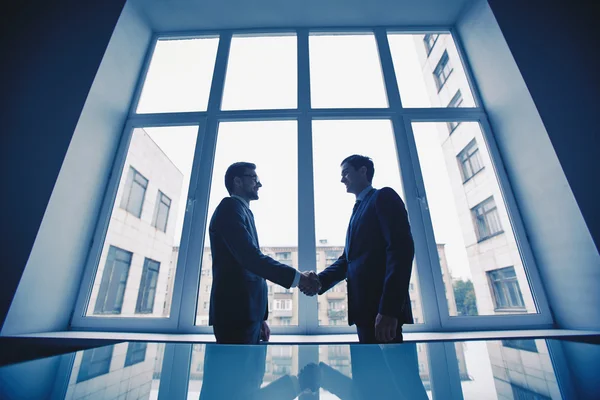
(345, 72)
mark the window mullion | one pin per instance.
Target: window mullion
(307, 306)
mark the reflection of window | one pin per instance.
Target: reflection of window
(114, 279)
(282, 305)
(95, 362)
(134, 192)
(161, 212)
(505, 288)
(145, 301)
(337, 305)
(469, 160)
(285, 320)
(136, 353)
(487, 220)
(283, 256)
(442, 71)
(520, 344)
(520, 393)
(281, 351)
(454, 103)
(429, 41)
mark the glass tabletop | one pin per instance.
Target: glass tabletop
(535, 369)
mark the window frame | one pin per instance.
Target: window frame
(464, 153)
(440, 76)
(146, 269)
(187, 279)
(481, 237)
(125, 203)
(159, 202)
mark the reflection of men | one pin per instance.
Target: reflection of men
(237, 372)
(377, 258)
(387, 372)
(238, 301)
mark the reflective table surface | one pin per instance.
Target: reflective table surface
(535, 369)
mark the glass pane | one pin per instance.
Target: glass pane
(472, 249)
(164, 157)
(179, 76)
(240, 372)
(429, 71)
(373, 372)
(345, 72)
(497, 370)
(275, 213)
(261, 73)
(114, 372)
(333, 141)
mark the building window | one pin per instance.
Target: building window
(429, 41)
(520, 393)
(136, 353)
(487, 220)
(145, 301)
(455, 102)
(114, 280)
(469, 160)
(505, 288)
(283, 256)
(134, 193)
(442, 71)
(95, 362)
(161, 212)
(520, 344)
(282, 305)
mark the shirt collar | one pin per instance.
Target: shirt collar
(241, 199)
(361, 196)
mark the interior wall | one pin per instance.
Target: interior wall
(70, 58)
(540, 152)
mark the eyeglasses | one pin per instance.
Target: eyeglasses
(254, 177)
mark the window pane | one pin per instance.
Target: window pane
(429, 77)
(261, 73)
(470, 223)
(275, 213)
(179, 76)
(345, 72)
(116, 372)
(333, 141)
(163, 156)
(495, 370)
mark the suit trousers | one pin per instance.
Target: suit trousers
(245, 333)
(366, 334)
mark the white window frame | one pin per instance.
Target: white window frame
(188, 277)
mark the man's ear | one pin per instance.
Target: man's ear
(363, 170)
(237, 181)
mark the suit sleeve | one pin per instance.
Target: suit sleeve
(234, 231)
(334, 273)
(399, 248)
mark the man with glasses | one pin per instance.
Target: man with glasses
(239, 297)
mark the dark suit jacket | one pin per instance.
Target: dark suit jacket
(239, 290)
(377, 260)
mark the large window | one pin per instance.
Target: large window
(114, 280)
(147, 293)
(487, 220)
(95, 362)
(505, 288)
(134, 193)
(161, 213)
(136, 353)
(296, 103)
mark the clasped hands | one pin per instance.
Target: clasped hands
(309, 283)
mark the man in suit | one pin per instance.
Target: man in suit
(238, 301)
(377, 258)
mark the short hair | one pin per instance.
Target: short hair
(357, 161)
(236, 169)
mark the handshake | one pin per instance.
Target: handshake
(309, 283)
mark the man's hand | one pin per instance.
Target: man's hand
(265, 331)
(385, 328)
(309, 283)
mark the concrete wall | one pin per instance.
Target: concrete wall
(65, 46)
(548, 154)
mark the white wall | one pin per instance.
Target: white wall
(46, 293)
(568, 260)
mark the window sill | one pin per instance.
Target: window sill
(489, 237)
(472, 176)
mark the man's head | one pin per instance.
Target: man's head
(357, 173)
(241, 180)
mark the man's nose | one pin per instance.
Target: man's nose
(259, 184)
